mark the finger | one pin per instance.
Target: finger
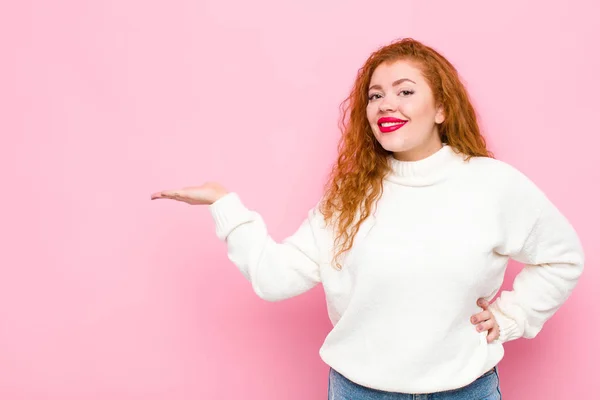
(166, 194)
(482, 316)
(483, 303)
(157, 195)
(486, 325)
(493, 334)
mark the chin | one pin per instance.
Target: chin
(396, 145)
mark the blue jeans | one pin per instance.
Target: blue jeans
(486, 387)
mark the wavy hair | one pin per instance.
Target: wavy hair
(356, 179)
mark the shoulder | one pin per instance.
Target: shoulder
(497, 172)
(506, 181)
(495, 167)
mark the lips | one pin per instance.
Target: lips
(389, 124)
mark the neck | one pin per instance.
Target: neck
(429, 148)
(424, 171)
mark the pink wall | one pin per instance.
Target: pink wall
(107, 295)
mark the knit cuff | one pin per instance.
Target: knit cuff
(229, 212)
(509, 328)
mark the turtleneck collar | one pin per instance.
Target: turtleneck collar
(427, 171)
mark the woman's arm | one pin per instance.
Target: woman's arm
(276, 271)
(539, 236)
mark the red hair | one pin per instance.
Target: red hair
(356, 180)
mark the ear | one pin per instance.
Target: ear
(440, 115)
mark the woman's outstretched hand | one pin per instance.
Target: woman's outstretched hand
(206, 193)
(485, 321)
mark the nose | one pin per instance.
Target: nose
(386, 105)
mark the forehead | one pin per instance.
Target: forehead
(388, 72)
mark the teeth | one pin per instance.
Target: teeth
(388, 124)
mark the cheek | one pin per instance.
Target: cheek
(409, 109)
(372, 113)
(417, 110)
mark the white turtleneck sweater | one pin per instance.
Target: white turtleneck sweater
(439, 239)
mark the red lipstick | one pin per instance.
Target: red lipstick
(389, 124)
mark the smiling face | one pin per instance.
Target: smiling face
(402, 111)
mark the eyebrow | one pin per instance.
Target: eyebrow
(396, 83)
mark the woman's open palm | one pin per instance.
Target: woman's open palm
(206, 193)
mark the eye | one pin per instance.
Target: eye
(406, 92)
(374, 96)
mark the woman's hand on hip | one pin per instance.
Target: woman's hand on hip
(485, 321)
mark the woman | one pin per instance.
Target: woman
(418, 222)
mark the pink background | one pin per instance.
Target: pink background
(107, 295)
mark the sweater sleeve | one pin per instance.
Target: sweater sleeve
(540, 237)
(277, 271)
